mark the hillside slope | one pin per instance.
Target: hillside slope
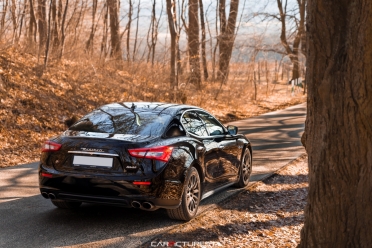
(34, 104)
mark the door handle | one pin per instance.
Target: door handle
(200, 149)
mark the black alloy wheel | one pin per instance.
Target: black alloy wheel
(190, 198)
(245, 169)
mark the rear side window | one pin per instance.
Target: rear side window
(194, 124)
(123, 121)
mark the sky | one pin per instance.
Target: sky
(250, 26)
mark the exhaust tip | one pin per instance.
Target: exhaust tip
(45, 195)
(136, 204)
(147, 205)
(52, 196)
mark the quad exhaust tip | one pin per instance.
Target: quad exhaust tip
(52, 196)
(45, 195)
(136, 204)
(147, 205)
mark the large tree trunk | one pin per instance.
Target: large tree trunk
(89, 44)
(171, 12)
(114, 28)
(204, 55)
(42, 24)
(33, 25)
(193, 39)
(338, 134)
(227, 37)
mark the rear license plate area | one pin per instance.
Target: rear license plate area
(91, 161)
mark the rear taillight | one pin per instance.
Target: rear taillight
(161, 153)
(48, 175)
(142, 183)
(50, 146)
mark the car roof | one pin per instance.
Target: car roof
(153, 107)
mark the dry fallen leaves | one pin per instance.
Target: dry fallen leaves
(267, 214)
(33, 108)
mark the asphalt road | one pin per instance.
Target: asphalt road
(28, 220)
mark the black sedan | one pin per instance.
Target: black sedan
(144, 155)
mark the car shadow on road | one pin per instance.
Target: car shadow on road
(43, 224)
(255, 211)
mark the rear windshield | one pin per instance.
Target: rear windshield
(123, 121)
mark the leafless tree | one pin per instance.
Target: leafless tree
(171, 13)
(203, 41)
(114, 28)
(226, 37)
(193, 43)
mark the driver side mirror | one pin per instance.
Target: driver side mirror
(233, 130)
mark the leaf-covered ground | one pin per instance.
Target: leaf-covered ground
(267, 214)
(35, 103)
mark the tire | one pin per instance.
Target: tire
(245, 169)
(190, 198)
(66, 204)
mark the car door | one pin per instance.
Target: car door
(208, 149)
(229, 150)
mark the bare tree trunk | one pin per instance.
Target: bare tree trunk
(2, 22)
(136, 35)
(338, 133)
(292, 52)
(103, 53)
(227, 37)
(193, 42)
(13, 8)
(128, 28)
(174, 36)
(63, 30)
(47, 45)
(153, 33)
(21, 21)
(32, 28)
(42, 28)
(203, 52)
(216, 45)
(114, 29)
(89, 43)
(55, 34)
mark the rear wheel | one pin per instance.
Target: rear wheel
(190, 198)
(66, 204)
(245, 169)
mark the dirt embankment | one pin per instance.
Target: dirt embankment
(35, 103)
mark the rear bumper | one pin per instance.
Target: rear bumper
(107, 190)
(124, 201)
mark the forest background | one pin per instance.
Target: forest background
(60, 59)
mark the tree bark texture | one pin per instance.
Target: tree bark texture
(114, 28)
(171, 13)
(227, 37)
(338, 133)
(32, 25)
(193, 39)
(203, 49)
(42, 26)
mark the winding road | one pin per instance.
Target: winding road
(28, 220)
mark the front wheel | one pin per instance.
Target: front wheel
(245, 169)
(190, 198)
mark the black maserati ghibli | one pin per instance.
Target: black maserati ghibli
(144, 155)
